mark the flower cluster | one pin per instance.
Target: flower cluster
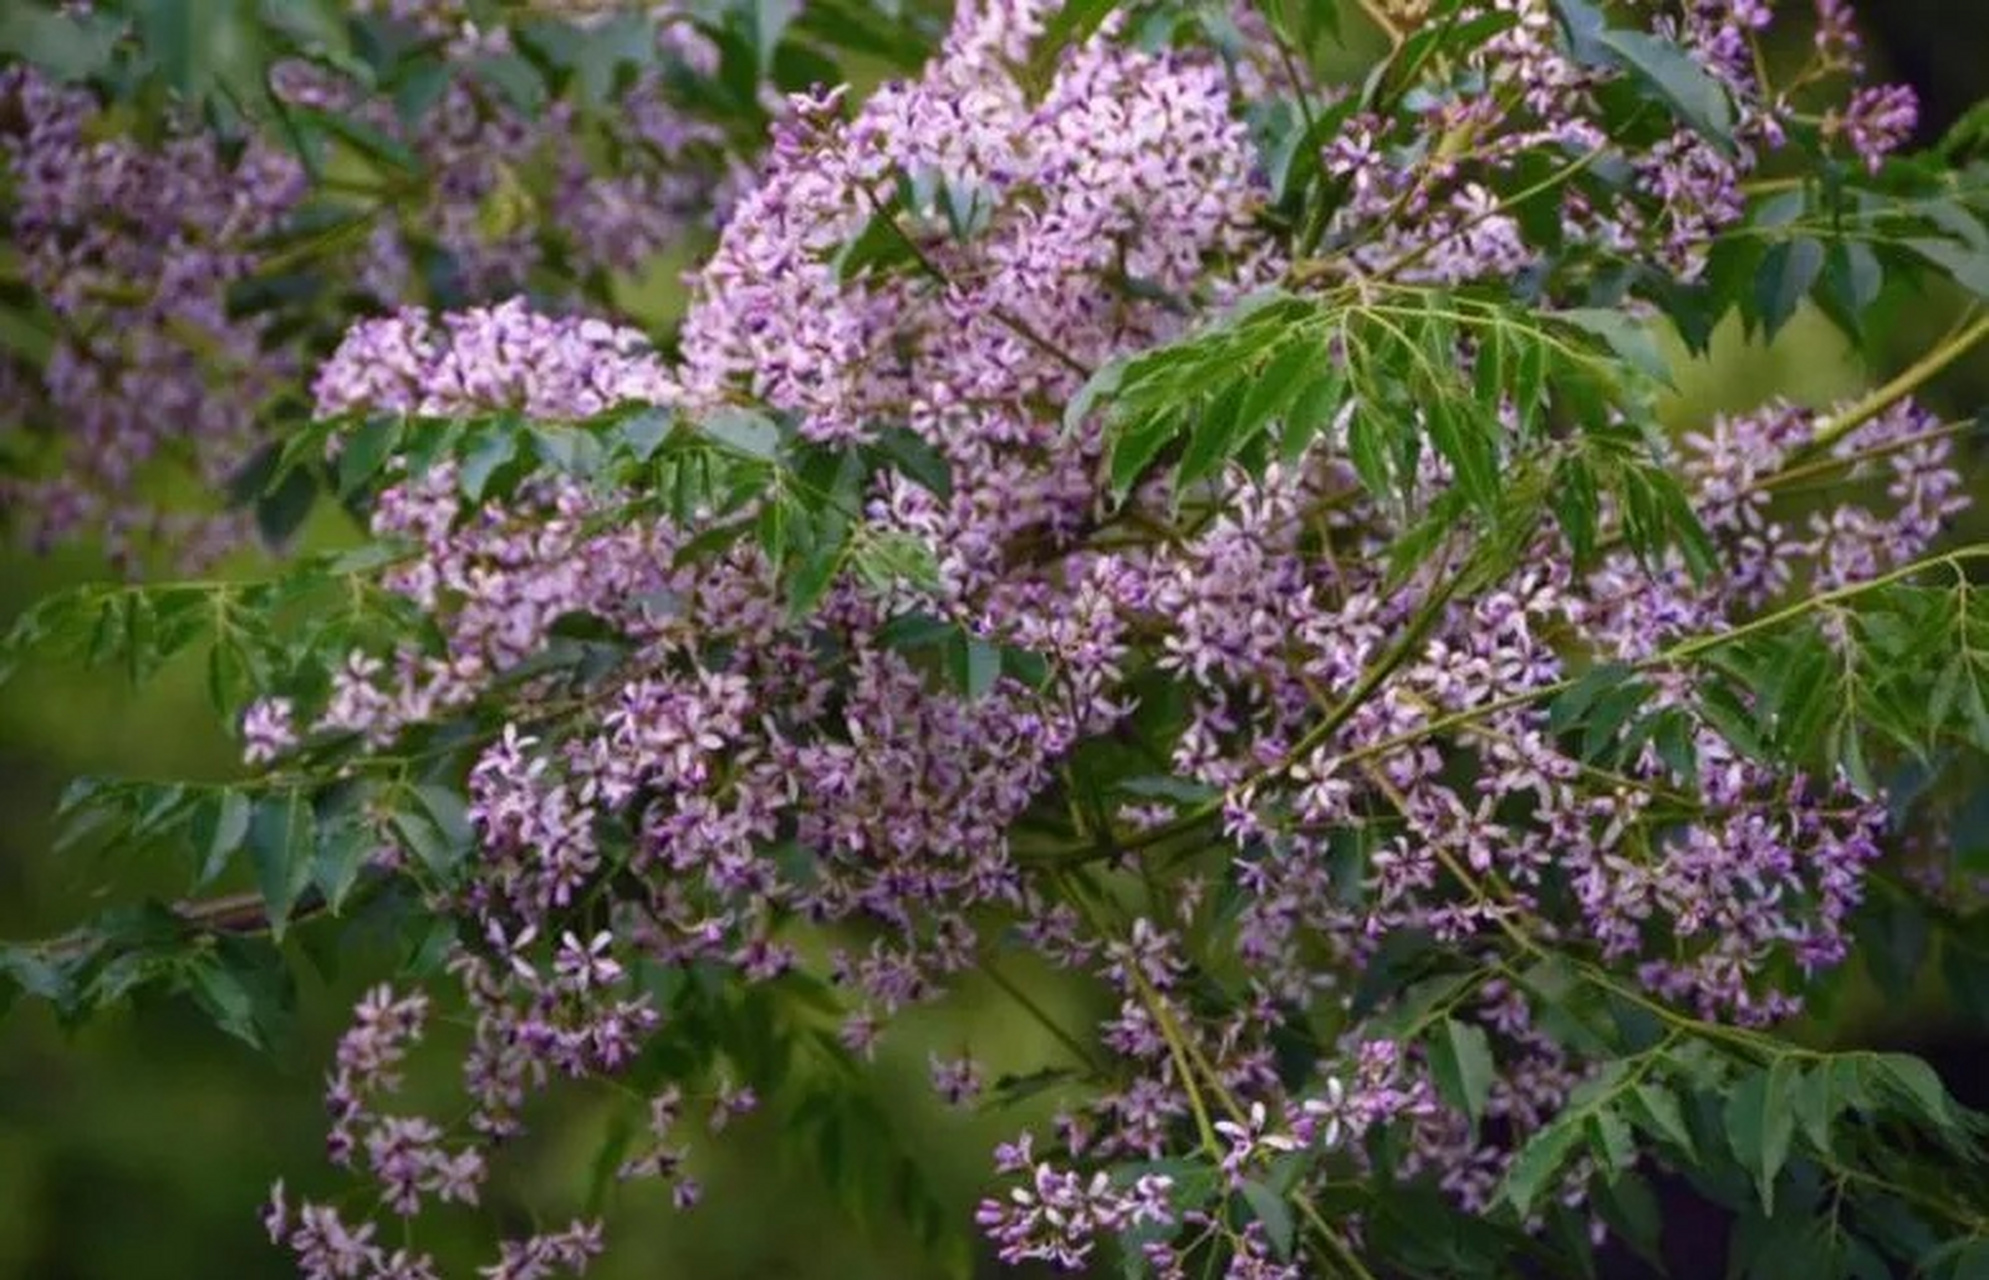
(504, 574)
(1421, 184)
(502, 357)
(480, 141)
(134, 249)
(171, 268)
(1058, 1214)
(1309, 757)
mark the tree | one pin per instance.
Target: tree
(1127, 492)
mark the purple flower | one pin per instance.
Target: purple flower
(1878, 121)
(958, 1082)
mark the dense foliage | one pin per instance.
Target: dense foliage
(1137, 494)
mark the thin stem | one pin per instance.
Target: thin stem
(1014, 323)
(1912, 379)
(1188, 1060)
(1288, 59)
(1381, 18)
(1412, 256)
(1823, 466)
(237, 914)
(1677, 653)
(1177, 1050)
(1371, 680)
(1343, 1253)
(1015, 992)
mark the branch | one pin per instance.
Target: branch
(1912, 379)
(233, 915)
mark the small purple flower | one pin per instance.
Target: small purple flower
(268, 730)
(957, 1081)
(1878, 121)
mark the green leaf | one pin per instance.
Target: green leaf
(439, 834)
(1311, 410)
(280, 513)
(486, 452)
(1071, 25)
(449, 812)
(980, 667)
(282, 840)
(1760, 1122)
(421, 838)
(1855, 275)
(1966, 136)
(1367, 447)
(516, 80)
(814, 571)
(1469, 449)
(1631, 1209)
(743, 431)
(219, 827)
(1218, 432)
(1789, 271)
(1540, 1161)
(33, 974)
(200, 46)
(368, 140)
(1612, 711)
(68, 46)
(222, 995)
(342, 848)
(593, 57)
(1816, 1107)
(881, 246)
(1725, 713)
(316, 25)
(1274, 1212)
(1571, 707)
(244, 985)
(643, 432)
(1655, 1109)
(365, 449)
(1611, 1142)
(1630, 339)
(1677, 78)
(1913, 1083)
(1137, 445)
(1967, 267)
(915, 457)
(1099, 388)
(1460, 1057)
(1277, 384)
(887, 559)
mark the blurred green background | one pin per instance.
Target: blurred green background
(138, 1147)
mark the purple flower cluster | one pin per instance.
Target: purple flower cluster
(137, 248)
(1420, 204)
(490, 358)
(1877, 121)
(133, 250)
(477, 144)
(406, 1155)
(1132, 168)
(1058, 1214)
(505, 574)
(1354, 757)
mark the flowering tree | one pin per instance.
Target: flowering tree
(1141, 495)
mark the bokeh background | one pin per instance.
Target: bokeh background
(138, 1146)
